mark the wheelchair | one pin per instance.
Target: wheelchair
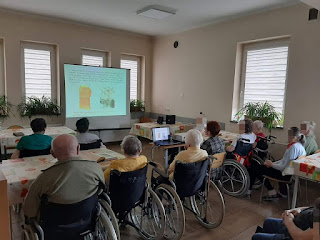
(193, 190)
(235, 180)
(90, 219)
(136, 204)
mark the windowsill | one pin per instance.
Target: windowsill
(232, 121)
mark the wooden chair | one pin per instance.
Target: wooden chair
(218, 159)
(216, 167)
(13, 127)
(287, 183)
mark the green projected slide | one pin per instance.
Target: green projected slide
(95, 91)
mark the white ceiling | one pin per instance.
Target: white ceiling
(121, 14)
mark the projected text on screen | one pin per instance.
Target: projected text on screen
(95, 91)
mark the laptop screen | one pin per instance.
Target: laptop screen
(160, 134)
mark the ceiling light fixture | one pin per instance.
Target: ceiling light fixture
(156, 12)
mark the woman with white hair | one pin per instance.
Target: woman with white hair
(307, 128)
(193, 153)
(258, 131)
(131, 147)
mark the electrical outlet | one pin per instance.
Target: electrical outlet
(167, 109)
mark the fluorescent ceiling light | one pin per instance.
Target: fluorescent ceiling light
(156, 12)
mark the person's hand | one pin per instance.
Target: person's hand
(287, 217)
(268, 163)
(295, 212)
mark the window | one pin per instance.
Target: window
(2, 72)
(132, 63)
(264, 73)
(94, 58)
(39, 70)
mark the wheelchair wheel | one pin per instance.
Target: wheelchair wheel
(175, 217)
(209, 206)
(111, 216)
(104, 227)
(235, 178)
(149, 217)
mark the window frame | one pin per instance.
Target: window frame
(2, 68)
(139, 73)
(257, 46)
(95, 53)
(52, 48)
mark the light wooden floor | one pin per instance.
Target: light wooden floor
(241, 219)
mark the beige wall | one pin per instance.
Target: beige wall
(69, 37)
(199, 74)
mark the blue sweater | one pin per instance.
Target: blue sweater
(295, 151)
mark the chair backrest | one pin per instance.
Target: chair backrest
(15, 127)
(218, 159)
(31, 153)
(67, 221)
(243, 148)
(126, 189)
(87, 146)
(189, 177)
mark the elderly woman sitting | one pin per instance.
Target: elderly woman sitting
(131, 147)
(193, 153)
(213, 144)
(307, 128)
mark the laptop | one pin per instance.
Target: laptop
(161, 137)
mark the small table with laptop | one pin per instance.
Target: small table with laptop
(162, 138)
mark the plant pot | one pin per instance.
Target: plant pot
(136, 115)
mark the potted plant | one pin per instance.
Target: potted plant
(261, 111)
(5, 109)
(137, 108)
(32, 106)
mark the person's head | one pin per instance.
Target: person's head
(257, 126)
(308, 128)
(294, 135)
(193, 138)
(213, 128)
(38, 125)
(246, 126)
(82, 125)
(131, 146)
(65, 147)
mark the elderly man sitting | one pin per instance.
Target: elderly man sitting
(193, 153)
(68, 181)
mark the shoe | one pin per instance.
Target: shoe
(270, 197)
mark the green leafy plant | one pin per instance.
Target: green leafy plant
(5, 107)
(137, 106)
(32, 106)
(261, 111)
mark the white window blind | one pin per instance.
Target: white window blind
(37, 72)
(265, 76)
(95, 58)
(133, 65)
(96, 61)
